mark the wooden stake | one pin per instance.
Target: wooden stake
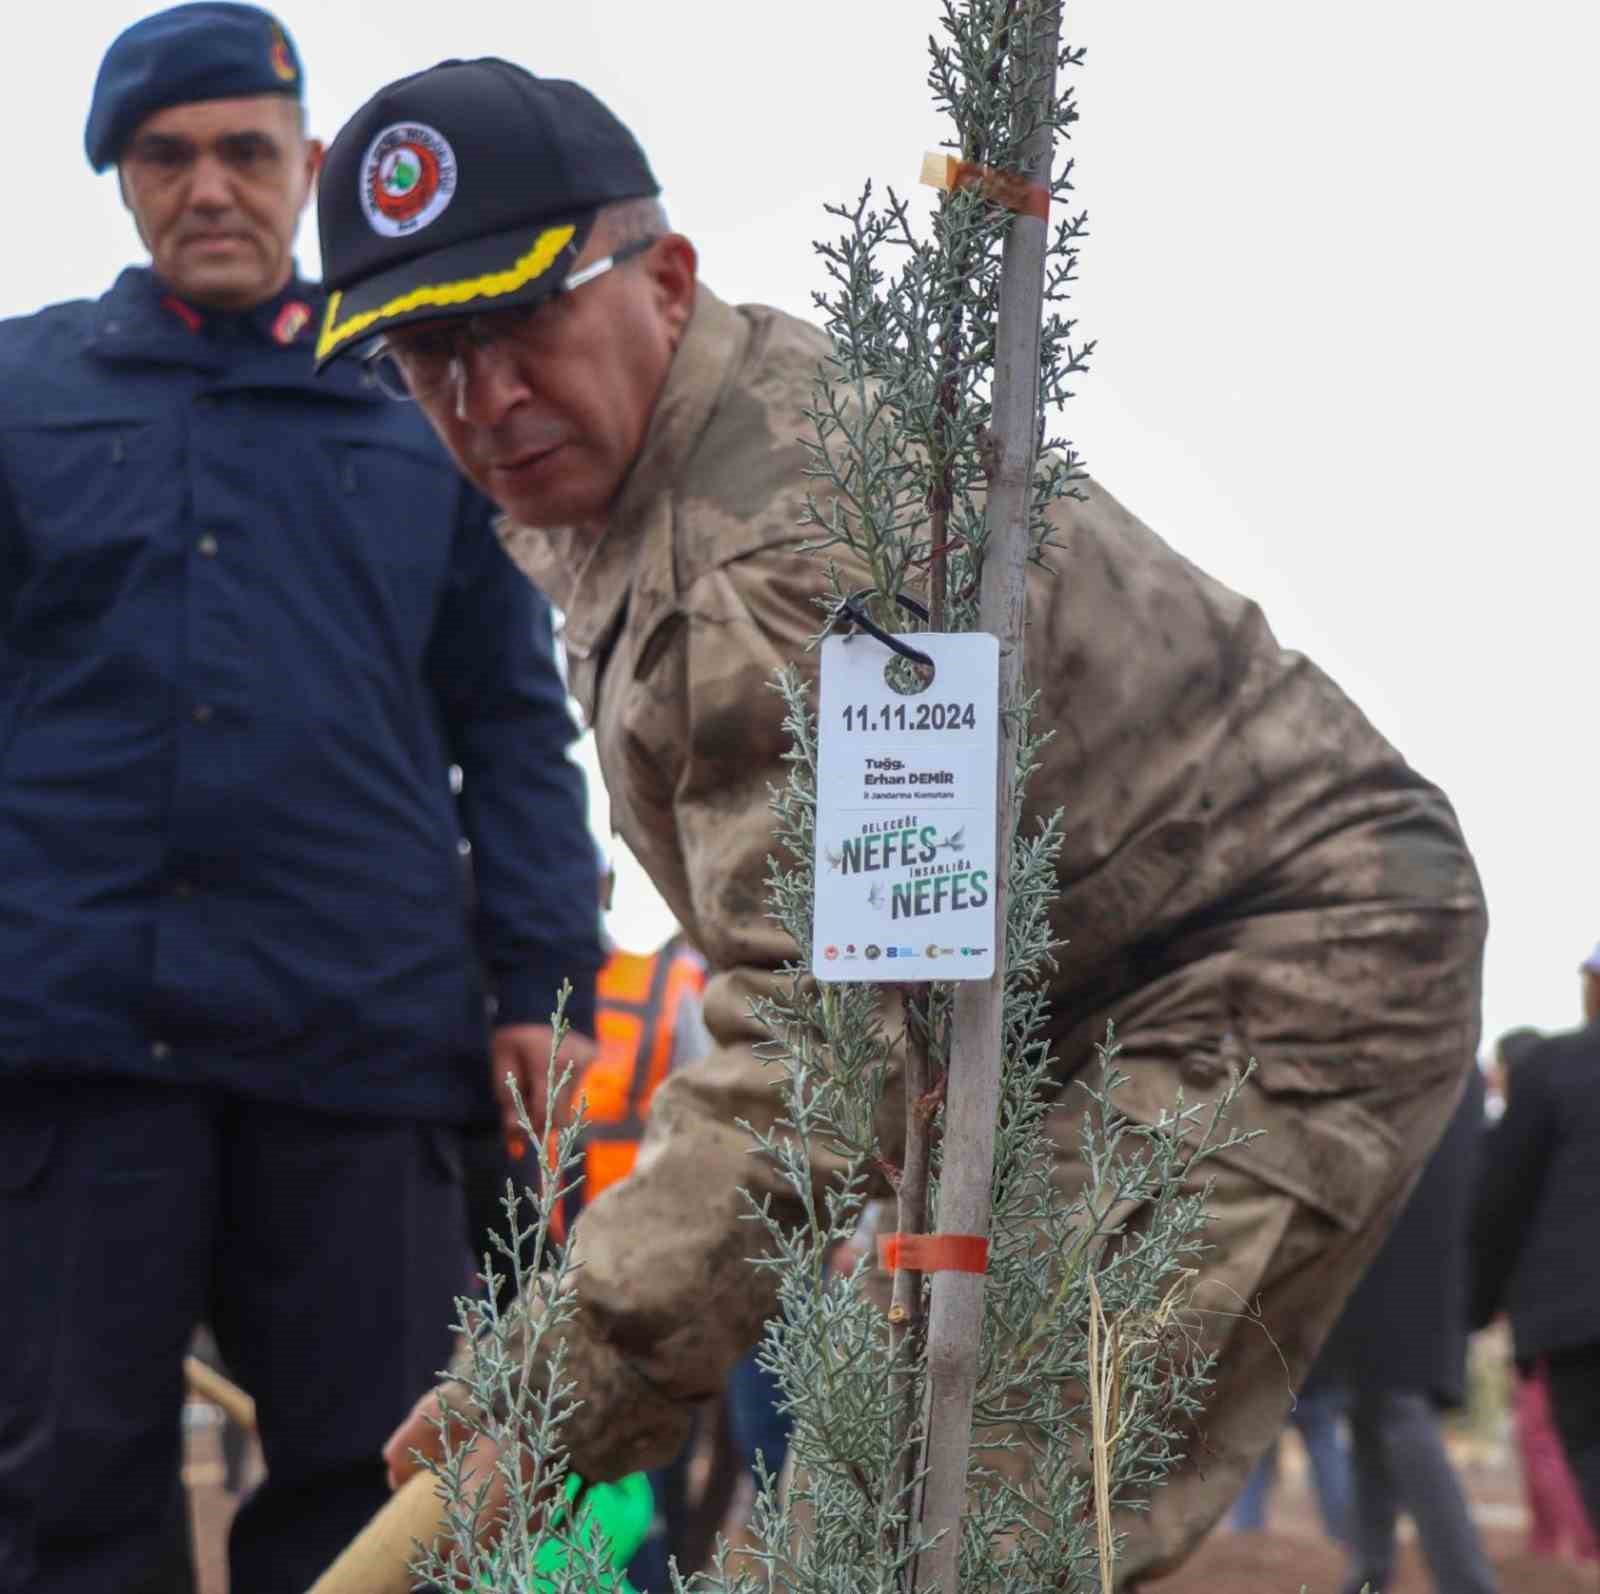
(911, 1218)
(973, 1101)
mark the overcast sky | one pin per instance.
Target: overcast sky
(1342, 274)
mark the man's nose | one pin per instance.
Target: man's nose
(210, 185)
(488, 382)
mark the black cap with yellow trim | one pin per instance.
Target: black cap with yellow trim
(469, 187)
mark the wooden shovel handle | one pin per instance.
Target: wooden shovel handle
(210, 1385)
(378, 1558)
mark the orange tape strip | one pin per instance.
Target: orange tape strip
(934, 1253)
(1021, 194)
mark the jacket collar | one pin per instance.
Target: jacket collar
(592, 581)
(140, 322)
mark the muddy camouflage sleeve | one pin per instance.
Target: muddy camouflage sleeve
(667, 1296)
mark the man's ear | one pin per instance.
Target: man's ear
(127, 205)
(313, 158)
(673, 266)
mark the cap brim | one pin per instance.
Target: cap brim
(468, 278)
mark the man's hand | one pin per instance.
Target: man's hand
(523, 1051)
(420, 1431)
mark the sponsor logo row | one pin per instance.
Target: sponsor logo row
(872, 952)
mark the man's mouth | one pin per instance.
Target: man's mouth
(528, 460)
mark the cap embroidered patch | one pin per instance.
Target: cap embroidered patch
(278, 54)
(407, 180)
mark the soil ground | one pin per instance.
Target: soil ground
(1292, 1557)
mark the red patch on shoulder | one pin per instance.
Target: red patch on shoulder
(291, 321)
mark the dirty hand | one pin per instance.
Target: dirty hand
(523, 1051)
(420, 1432)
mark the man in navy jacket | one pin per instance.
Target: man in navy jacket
(248, 621)
(1537, 1228)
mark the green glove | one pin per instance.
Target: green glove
(618, 1512)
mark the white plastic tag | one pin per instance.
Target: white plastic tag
(905, 866)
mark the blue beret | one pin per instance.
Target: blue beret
(192, 52)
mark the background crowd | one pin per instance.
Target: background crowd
(1504, 1223)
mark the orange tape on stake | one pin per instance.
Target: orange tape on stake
(1014, 192)
(934, 1253)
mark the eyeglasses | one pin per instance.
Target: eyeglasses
(432, 359)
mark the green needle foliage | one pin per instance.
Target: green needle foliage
(511, 1391)
(902, 439)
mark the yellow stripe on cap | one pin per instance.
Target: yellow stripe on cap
(491, 285)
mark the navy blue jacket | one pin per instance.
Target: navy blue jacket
(248, 619)
(1537, 1229)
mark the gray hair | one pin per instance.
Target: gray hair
(627, 221)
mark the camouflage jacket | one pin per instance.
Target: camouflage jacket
(1241, 848)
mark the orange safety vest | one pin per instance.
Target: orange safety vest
(638, 997)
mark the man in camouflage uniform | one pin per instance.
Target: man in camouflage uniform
(1248, 868)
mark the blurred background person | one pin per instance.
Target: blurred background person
(1558, 1525)
(1536, 1230)
(1399, 1353)
(1317, 1416)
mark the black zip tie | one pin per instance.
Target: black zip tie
(850, 610)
